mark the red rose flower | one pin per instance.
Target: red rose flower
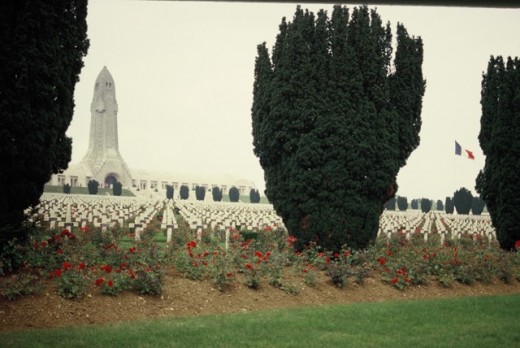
(59, 251)
(395, 280)
(82, 265)
(132, 250)
(291, 240)
(67, 266)
(56, 273)
(249, 266)
(99, 281)
(382, 261)
(106, 268)
(110, 283)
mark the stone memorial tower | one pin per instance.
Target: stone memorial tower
(103, 160)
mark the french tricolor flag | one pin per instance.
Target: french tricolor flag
(458, 151)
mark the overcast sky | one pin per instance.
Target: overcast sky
(184, 78)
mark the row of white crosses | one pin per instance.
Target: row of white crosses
(399, 221)
(144, 217)
(479, 226)
(224, 215)
(69, 211)
(408, 222)
(168, 220)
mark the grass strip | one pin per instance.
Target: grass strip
(489, 321)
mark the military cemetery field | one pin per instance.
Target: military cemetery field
(144, 263)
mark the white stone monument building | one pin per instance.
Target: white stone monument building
(104, 163)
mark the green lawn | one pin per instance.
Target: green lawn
(463, 322)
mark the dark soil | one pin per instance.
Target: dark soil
(182, 297)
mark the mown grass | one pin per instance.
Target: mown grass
(462, 322)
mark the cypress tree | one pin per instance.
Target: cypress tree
(449, 206)
(426, 205)
(200, 193)
(169, 191)
(254, 196)
(329, 129)
(415, 204)
(217, 194)
(93, 187)
(66, 188)
(117, 189)
(499, 138)
(43, 44)
(462, 199)
(440, 205)
(402, 203)
(390, 204)
(234, 194)
(184, 192)
(477, 206)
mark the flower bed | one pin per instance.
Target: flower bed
(115, 265)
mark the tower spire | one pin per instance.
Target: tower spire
(103, 158)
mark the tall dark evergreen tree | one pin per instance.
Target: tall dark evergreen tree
(390, 204)
(93, 187)
(415, 204)
(216, 192)
(254, 196)
(117, 189)
(440, 205)
(402, 203)
(42, 47)
(184, 192)
(234, 194)
(499, 138)
(169, 191)
(448, 205)
(200, 193)
(66, 188)
(462, 199)
(334, 120)
(477, 206)
(426, 205)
